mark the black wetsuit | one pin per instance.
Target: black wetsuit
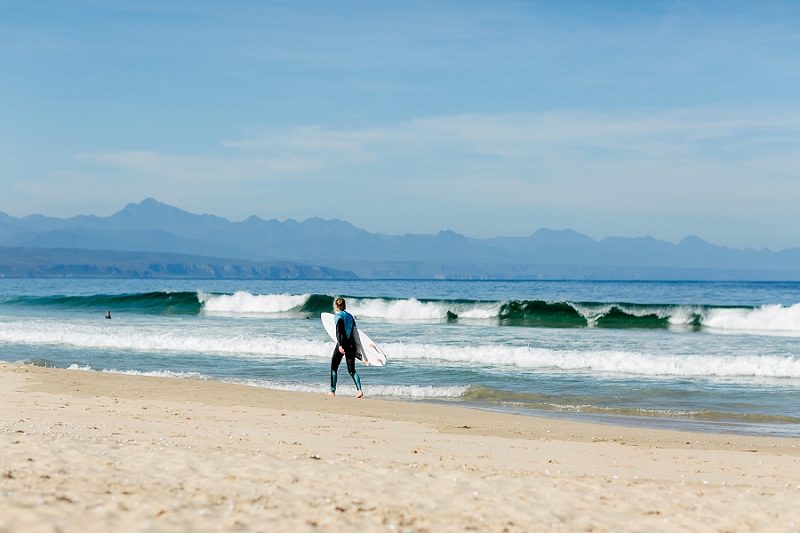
(349, 346)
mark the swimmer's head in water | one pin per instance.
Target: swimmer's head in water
(339, 304)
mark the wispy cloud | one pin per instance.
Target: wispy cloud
(558, 146)
(526, 136)
(199, 168)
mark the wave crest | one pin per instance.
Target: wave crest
(772, 319)
(244, 302)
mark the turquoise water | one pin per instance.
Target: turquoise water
(703, 356)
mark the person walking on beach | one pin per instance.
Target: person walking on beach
(345, 346)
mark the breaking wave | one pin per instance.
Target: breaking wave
(766, 319)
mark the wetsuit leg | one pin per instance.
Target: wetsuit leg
(350, 359)
(336, 360)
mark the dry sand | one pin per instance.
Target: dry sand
(85, 452)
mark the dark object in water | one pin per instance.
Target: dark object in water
(108, 314)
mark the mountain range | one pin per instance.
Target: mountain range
(154, 227)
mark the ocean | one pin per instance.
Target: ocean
(693, 356)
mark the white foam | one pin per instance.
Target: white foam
(676, 315)
(346, 387)
(153, 373)
(149, 338)
(171, 337)
(397, 309)
(591, 313)
(486, 311)
(607, 361)
(413, 309)
(388, 391)
(684, 315)
(244, 302)
(768, 318)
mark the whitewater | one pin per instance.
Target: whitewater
(695, 356)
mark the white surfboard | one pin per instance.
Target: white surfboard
(370, 352)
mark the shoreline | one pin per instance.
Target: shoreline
(737, 425)
(444, 417)
(657, 423)
(118, 452)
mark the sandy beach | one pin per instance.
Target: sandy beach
(87, 451)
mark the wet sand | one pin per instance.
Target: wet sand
(86, 451)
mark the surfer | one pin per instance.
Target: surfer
(345, 346)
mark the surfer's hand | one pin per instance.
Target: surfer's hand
(341, 350)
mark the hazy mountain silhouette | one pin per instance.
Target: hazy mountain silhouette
(152, 226)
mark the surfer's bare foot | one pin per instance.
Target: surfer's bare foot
(330, 393)
(359, 394)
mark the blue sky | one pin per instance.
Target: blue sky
(487, 118)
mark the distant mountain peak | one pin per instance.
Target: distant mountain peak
(548, 231)
(695, 244)
(693, 239)
(151, 204)
(148, 214)
(561, 237)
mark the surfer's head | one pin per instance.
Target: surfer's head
(339, 304)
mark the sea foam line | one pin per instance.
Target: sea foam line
(143, 338)
(220, 341)
(388, 391)
(606, 361)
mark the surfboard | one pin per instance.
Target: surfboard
(371, 353)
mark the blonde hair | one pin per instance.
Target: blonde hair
(339, 304)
